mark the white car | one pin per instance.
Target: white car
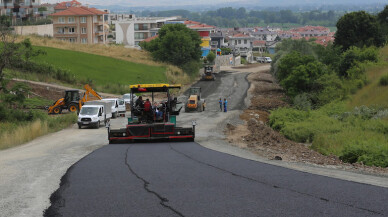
(127, 98)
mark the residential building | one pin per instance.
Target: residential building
(204, 32)
(80, 25)
(20, 10)
(132, 31)
(61, 6)
(217, 40)
(241, 42)
(264, 34)
(311, 31)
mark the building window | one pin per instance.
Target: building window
(61, 20)
(83, 30)
(84, 40)
(239, 41)
(235, 42)
(61, 30)
(71, 30)
(71, 20)
(141, 26)
(245, 41)
(83, 19)
(72, 40)
(141, 35)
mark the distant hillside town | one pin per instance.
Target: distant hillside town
(74, 22)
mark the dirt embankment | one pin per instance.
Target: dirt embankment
(256, 135)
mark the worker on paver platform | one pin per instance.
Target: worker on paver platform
(225, 105)
(139, 102)
(220, 102)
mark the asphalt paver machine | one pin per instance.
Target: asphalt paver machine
(156, 123)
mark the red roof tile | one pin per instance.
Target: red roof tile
(76, 11)
(150, 38)
(258, 42)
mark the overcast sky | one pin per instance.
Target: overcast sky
(132, 3)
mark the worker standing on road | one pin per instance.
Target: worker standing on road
(220, 102)
(225, 104)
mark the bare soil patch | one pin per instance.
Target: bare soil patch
(256, 135)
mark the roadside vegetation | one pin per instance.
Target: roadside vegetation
(338, 94)
(178, 45)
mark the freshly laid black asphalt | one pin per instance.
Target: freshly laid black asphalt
(186, 179)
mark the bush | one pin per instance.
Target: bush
(384, 80)
(369, 153)
(243, 61)
(192, 68)
(211, 57)
(302, 102)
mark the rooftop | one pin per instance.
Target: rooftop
(77, 11)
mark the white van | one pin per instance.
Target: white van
(121, 108)
(264, 59)
(115, 106)
(92, 115)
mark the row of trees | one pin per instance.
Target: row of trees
(314, 75)
(231, 17)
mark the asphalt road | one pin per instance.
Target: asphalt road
(186, 179)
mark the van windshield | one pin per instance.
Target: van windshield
(121, 102)
(89, 110)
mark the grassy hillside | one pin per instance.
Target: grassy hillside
(374, 94)
(173, 74)
(102, 70)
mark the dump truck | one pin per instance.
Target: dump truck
(157, 122)
(195, 101)
(72, 101)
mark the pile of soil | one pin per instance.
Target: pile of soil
(256, 136)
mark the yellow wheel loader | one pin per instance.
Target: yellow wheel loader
(72, 100)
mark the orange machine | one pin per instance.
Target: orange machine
(72, 100)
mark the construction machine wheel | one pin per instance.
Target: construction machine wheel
(57, 110)
(79, 126)
(73, 107)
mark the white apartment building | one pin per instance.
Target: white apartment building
(131, 32)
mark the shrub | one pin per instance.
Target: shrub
(211, 57)
(192, 68)
(302, 102)
(243, 61)
(384, 80)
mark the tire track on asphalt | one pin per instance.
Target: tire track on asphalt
(162, 199)
(270, 185)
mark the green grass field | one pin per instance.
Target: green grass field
(102, 70)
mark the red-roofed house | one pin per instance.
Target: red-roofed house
(80, 24)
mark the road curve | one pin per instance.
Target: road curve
(186, 179)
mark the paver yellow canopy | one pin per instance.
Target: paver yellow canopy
(152, 120)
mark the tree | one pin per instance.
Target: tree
(383, 20)
(175, 44)
(358, 29)
(211, 57)
(12, 52)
